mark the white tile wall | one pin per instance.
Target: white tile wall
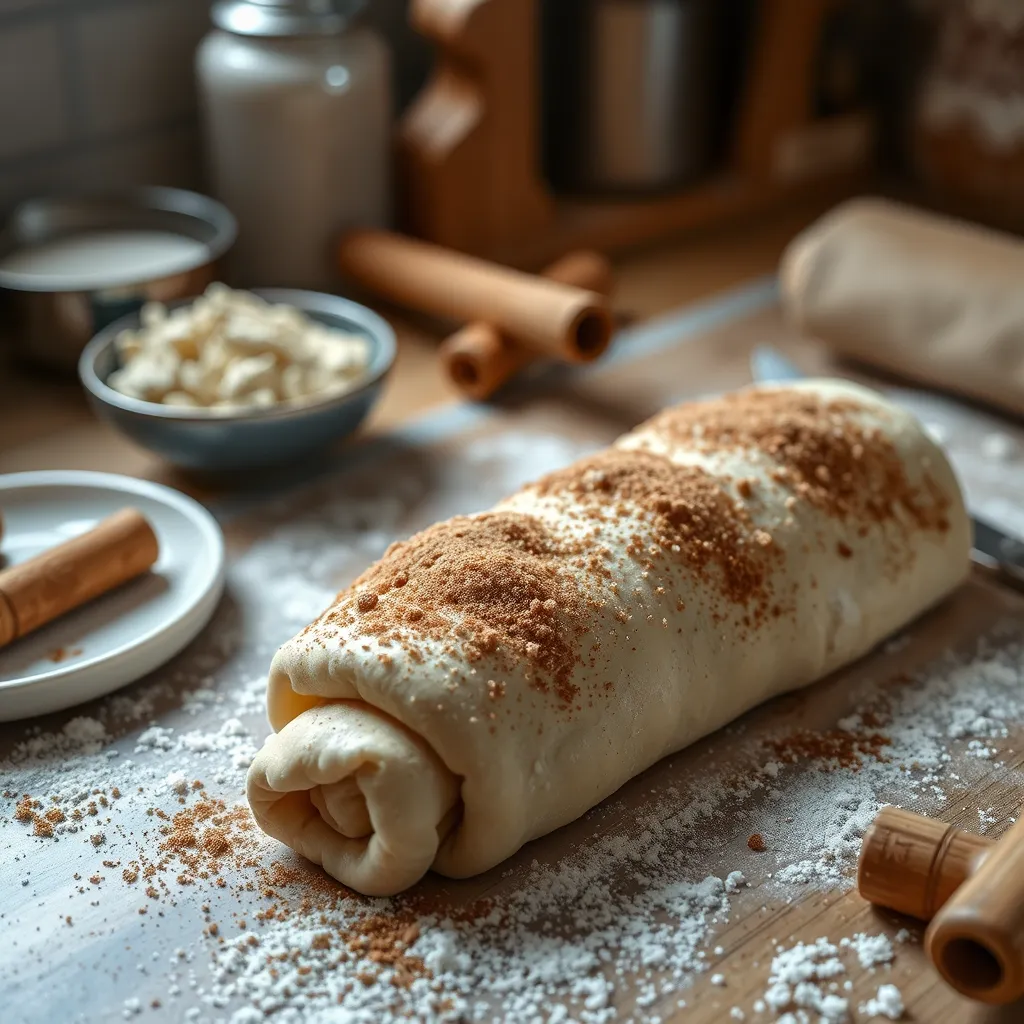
(33, 111)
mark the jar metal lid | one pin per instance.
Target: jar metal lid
(283, 18)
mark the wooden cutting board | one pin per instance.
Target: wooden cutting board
(462, 460)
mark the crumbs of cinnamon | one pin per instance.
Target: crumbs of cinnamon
(689, 519)
(502, 574)
(23, 810)
(832, 748)
(822, 451)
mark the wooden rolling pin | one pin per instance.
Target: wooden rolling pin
(40, 590)
(478, 359)
(969, 887)
(552, 318)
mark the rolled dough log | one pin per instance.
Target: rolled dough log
(497, 675)
(934, 299)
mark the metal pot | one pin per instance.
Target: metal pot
(630, 93)
(50, 324)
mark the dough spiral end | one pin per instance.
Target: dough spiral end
(354, 791)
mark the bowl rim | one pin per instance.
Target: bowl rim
(165, 199)
(360, 316)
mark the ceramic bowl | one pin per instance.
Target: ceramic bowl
(202, 439)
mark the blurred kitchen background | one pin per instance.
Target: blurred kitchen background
(102, 92)
(152, 148)
(514, 130)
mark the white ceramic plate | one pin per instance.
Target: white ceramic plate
(127, 632)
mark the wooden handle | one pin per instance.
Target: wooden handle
(468, 153)
(479, 359)
(970, 887)
(539, 314)
(35, 592)
(976, 941)
(914, 864)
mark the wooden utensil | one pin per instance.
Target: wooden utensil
(43, 588)
(470, 153)
(469, 145)
(478, 359)
(969, 887)
(540, 314)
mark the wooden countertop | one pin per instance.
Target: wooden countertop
(45, 422)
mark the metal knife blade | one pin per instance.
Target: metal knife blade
(992, 547)
(769, 366)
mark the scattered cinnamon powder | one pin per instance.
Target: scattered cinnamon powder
(30, 811)
(202, 836)
(494, 584)
(824, 454)
(23, 809)
(691, 519)
(834, 748)
(383, 940)
(59, 654)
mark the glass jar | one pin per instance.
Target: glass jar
(296, 105)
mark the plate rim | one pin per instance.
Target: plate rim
(191, 509)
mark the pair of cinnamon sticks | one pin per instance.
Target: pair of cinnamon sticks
(511, 318)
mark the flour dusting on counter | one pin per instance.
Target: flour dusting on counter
(628, 916)
(620, 916)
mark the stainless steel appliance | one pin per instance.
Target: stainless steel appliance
(630, 93)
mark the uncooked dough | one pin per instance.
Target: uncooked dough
(495, 676)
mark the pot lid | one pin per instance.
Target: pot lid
(285, 17)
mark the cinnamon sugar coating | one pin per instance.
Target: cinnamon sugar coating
(824, 455)
(494, 584)
(520, 589)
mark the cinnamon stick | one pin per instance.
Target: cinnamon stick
(538, 313)
(478, 359)
(54, 582)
